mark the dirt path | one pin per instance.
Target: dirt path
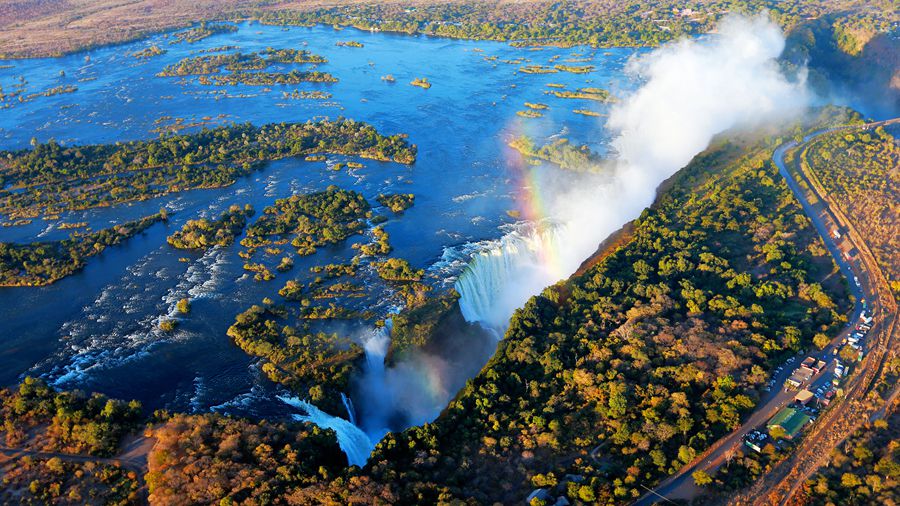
(132, 455)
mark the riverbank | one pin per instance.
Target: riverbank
(57, 28)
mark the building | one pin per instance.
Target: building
(803, 397)
(800, 376)
(790, 420)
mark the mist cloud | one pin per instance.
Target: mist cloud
(692, 90)
(697, 89)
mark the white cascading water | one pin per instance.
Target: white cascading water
(348, 405)
(523, 257)
(379, 398)
(356, 442)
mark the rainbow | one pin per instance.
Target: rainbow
(532, 199)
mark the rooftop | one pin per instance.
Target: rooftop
(789, 419)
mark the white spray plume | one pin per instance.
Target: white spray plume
(697, 89)
(692, 90)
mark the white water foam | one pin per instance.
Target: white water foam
(523, 256)
(122, 330)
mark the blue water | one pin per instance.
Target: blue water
(97, 329)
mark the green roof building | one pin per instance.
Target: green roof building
(789, 419)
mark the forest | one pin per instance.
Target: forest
(71, 422)
(83, 177)
(43, 263)
(865, 469)
(38, 481)
(569, 23)
(37, 418)
(206, 459)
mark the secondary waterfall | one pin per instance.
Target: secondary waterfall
(358, 441)
(503, 276)
(378, 400)
(352, 440)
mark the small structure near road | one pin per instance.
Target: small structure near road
(812, 364)
(790, 420)
(800, 376)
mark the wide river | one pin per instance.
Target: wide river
(97, 330)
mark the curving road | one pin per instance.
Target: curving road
(778, 486)
(681, 485)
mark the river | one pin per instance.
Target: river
(97, 330)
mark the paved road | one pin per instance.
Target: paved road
(778, 486)
(681, 485)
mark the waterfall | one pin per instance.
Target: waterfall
(356, 442)
(505, 274)
(352, 440)
(379, 401)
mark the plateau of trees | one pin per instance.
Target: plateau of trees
(595, 94)
(398, 269)
(310, 220)
(560, 153)
(648, 356)
(248, 68)
(149, 52)
(202, 31)
(397, 202)
(316, 365)
(414, 326)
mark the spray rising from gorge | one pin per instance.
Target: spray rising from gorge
(692, 90)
